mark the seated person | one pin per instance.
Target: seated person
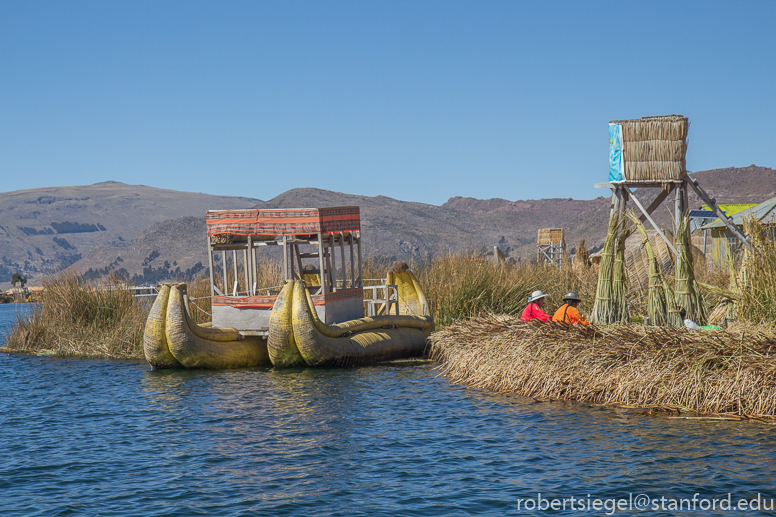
(568, 312)
(533, 310)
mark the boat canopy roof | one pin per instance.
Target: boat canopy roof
(287, 222)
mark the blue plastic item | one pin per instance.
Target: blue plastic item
(616, 165)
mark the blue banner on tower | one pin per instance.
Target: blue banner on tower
(616, 165)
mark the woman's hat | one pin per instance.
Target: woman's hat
(536, 295)
(571, 296)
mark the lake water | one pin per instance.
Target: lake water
(98, 437)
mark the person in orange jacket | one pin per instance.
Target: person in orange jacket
(568, 312)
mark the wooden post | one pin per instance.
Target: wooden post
(615, 206)
(249, 266)
(247, 274)
(360, 262)
(678, 219)
(331, 257)
(285, 258)
(652, 222)
(255, 266)
(299, 261)
(686, 212)
(210, 265)
(234, 264)
(352, 264)
(226, 274)
(342, 256)
(667, 189)
(291, 262)
(722, 216)
(321, 264)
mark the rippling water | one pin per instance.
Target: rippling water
(93, 437)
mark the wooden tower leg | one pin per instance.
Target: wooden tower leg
(678, 213)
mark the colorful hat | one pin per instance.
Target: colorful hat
(536, 295)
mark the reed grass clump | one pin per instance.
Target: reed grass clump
(462, 285)
(756, 279)
(730, 372)
(582, 256)
(80, 319)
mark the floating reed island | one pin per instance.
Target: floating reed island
(722, 372)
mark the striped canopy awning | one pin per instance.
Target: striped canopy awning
(283, 221)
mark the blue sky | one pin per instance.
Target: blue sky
(419, 101)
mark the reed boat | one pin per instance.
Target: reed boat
(322, 316)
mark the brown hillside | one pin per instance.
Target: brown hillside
(44, 229)
(401, 229)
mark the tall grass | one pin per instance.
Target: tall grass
(461, 285)
(79, 318)
(757, 277)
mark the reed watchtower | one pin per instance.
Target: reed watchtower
(650, 152)
(551, 246)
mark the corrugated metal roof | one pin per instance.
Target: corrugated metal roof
(764, 212)
(704, 214)
(731, 209)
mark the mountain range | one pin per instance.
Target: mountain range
(148, 234)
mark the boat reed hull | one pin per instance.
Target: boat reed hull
(302, 339)
(174, 340)
(297, 337)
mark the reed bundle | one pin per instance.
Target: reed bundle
(611, 304)
(619, 282)
(688, 294)
(656, 296)
(710, 372)
(654, 148)
(602, 308)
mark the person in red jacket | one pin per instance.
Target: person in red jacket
(534, 308)
(568, 312)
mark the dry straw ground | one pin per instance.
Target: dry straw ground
(730, 372)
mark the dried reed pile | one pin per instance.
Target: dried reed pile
(711, 372)
(654, 148)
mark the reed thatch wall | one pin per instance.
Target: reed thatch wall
(636, 263)
(550, 236)
(709, 372)
(654, 148)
